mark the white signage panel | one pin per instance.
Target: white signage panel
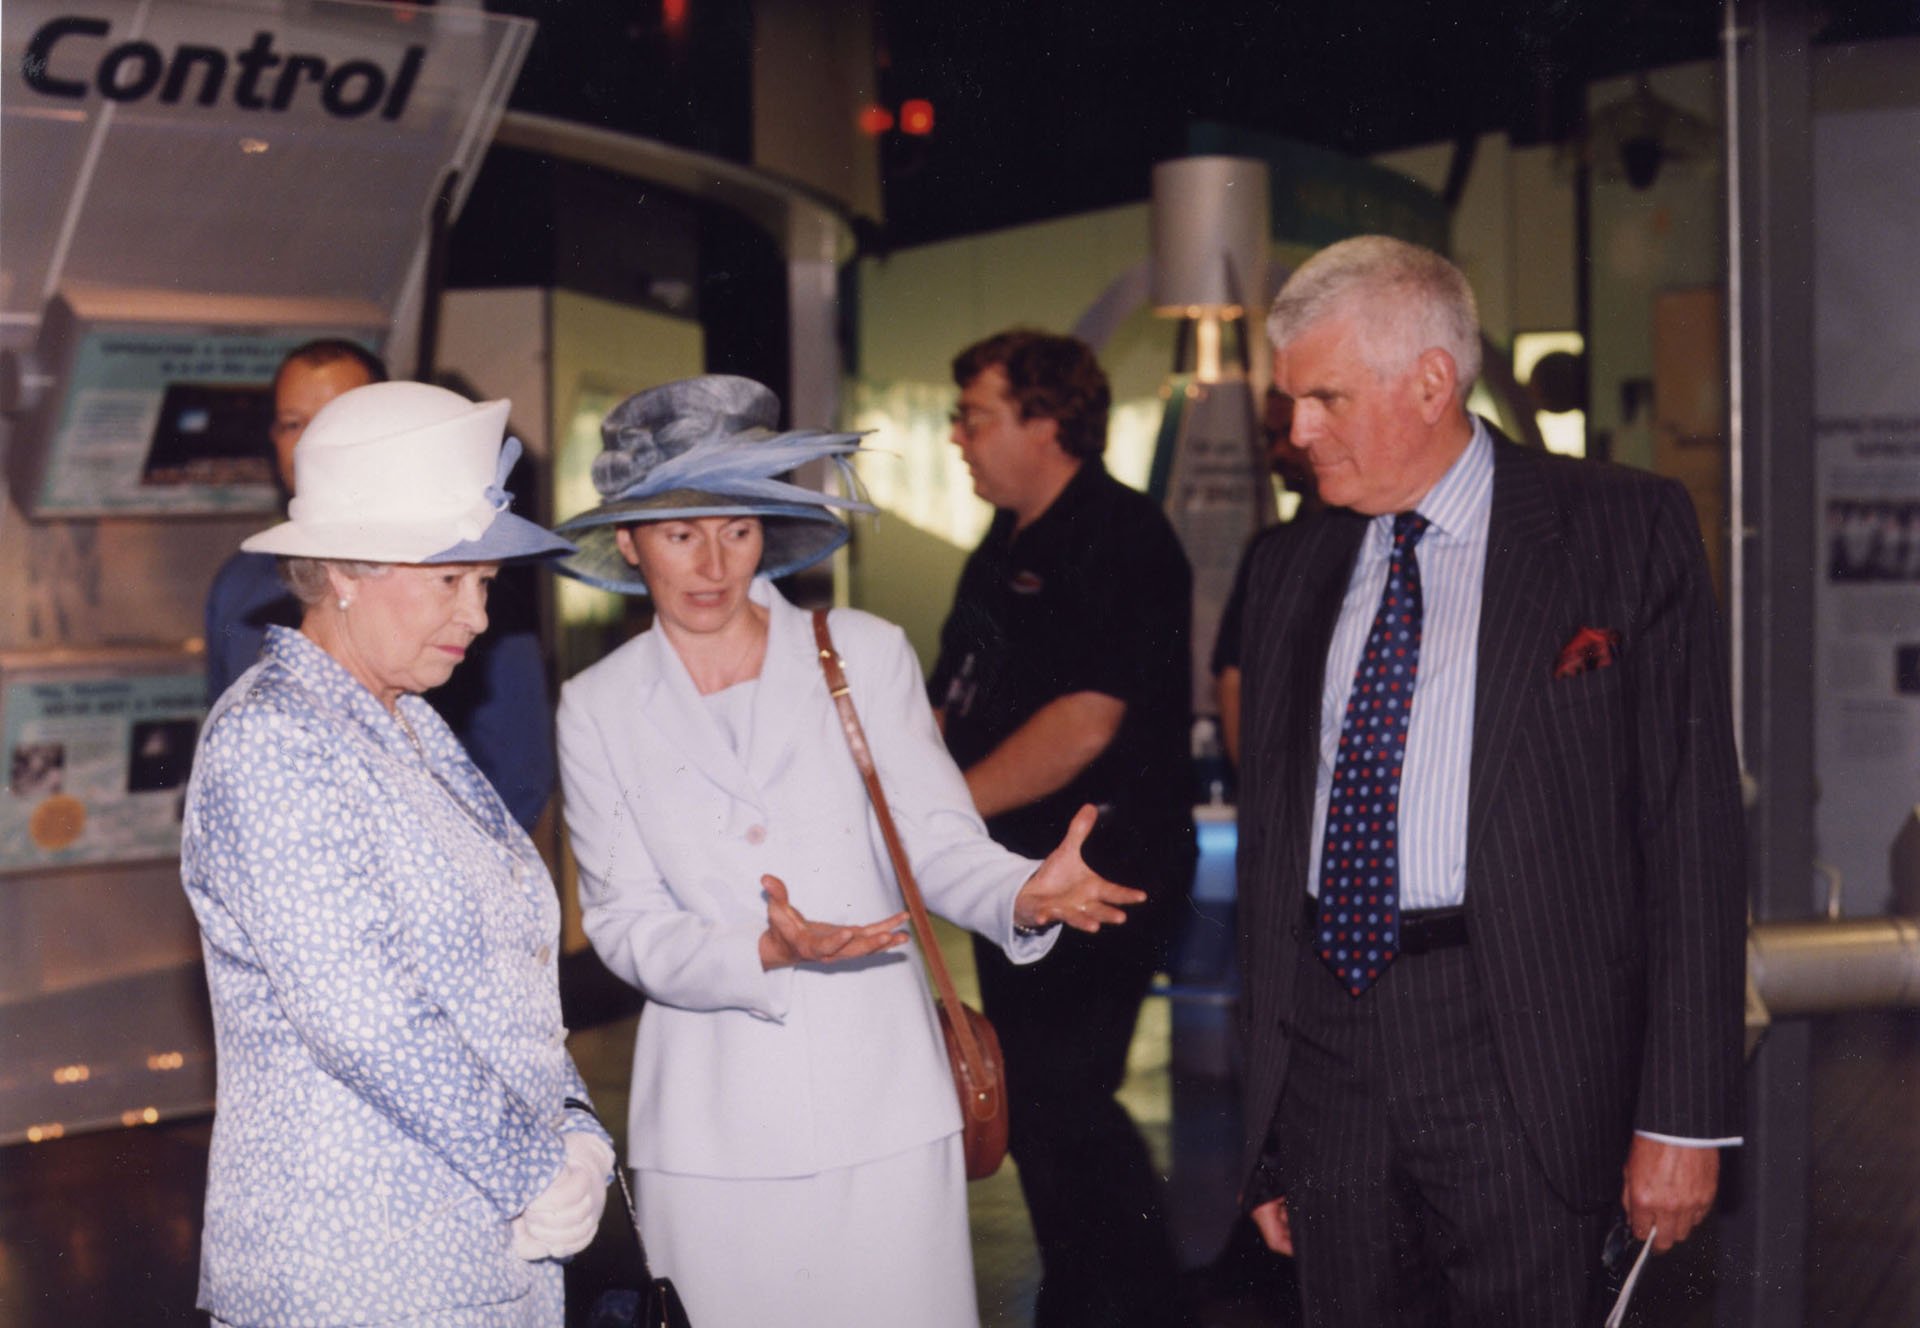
(1867, 450)
(236, 146)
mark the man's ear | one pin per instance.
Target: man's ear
(1436, 380)
(1045, 430)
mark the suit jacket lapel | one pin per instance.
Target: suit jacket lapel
(1300, 610)
(790, 673)
(1289, 627)
(671, 703)
(1525, 577)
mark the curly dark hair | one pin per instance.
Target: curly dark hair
(1049, 378)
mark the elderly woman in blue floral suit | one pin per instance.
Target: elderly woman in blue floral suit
(397, 1139)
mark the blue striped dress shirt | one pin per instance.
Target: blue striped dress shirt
(1452, 557)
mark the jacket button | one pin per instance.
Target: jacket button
(756, 834)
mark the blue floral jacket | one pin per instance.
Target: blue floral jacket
(380, 941)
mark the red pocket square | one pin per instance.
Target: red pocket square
(1591, 648)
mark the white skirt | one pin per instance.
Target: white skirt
(884, 1243)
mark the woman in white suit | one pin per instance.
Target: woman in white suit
(397, 1136)
(794, 1127)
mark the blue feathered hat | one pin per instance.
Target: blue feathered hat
(708, 446)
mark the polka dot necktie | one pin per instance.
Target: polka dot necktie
(1360, 858)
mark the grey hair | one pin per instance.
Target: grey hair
(1411, 300)
(307, 577)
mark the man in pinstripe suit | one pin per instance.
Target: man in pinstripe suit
(1552, 1030)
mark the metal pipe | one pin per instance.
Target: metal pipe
(1731, 39)
(83, 181)
(1823, 967)
(808, 225)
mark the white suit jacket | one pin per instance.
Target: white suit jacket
(739, 1072)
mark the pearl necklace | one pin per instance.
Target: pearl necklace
(407, 727)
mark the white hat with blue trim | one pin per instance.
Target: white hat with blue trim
(405, 473)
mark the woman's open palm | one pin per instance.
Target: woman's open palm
(1066, 890)
(790, 938)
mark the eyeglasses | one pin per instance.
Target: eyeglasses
(971, 423)
(1617, 1251)
(1622, 1256)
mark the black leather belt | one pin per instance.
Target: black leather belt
(1421, 929)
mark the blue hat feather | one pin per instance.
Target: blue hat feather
(707, 447)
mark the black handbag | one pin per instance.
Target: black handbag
(656, 1304)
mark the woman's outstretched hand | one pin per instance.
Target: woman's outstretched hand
(1066, 890)
(791, 939)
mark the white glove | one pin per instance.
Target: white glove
(525, 1246)
(562, 1218)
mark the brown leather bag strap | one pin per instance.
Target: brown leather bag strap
(977, 1065)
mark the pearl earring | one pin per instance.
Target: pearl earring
(344, 602)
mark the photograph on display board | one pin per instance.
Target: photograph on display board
(213, 434)
(160, 755)
(37, 768)
(1872, 540)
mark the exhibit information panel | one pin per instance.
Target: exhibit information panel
(159, 421)
(98, 748)
(1867, 449)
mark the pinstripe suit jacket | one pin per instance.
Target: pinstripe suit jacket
(1604, 878)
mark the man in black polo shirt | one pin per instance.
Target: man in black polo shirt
(1064, 679)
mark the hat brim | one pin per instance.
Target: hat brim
(795, 535)
(507, 538)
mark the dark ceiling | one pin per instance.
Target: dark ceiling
(1054, 107)
(1047, 107)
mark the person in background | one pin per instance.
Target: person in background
(1491, 895)
(1289, 463)
(797, 1138)
(1064, 678)
(498, 705)
(400, 1136)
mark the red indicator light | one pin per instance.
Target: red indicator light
(875, 120)
(916, 116)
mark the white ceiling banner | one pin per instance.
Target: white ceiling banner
(235, 147)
